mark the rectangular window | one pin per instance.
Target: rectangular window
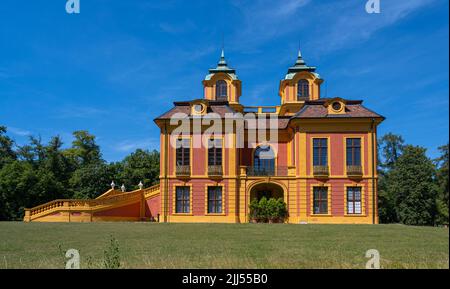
(215, 152)
(183, 152)
(353, 152)
(214, 200)
(354, 200)
(320, 201)
(183, 200)
(320, 152)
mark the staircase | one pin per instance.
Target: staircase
(113, 205)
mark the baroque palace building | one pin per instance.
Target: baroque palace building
(318, 154)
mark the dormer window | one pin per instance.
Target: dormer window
(221, 90)
(302, 89)
(335, 106)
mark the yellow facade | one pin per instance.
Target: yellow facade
(301, 118)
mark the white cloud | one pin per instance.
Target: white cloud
(19, 131)
(264, 20)
(289, 8)
(80, 112)
(324, 26)
(132, 145)
(349, 23)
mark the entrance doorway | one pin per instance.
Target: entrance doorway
(268, 190)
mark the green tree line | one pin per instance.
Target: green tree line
(412, 188)
(39, 172)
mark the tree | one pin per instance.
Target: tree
(411, 183)
(50, 165)
(25, 153)
(442, 201)
(7, 153)
(37, 172)
(140, 166)
(46, 189)
(391, 147)
(90, 181)
(386, 201)
(17, 180)
(85, 150)
(57, 162)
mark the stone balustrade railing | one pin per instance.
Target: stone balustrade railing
(281, 171)
(262, 109)
(47, 206)
(70, 204)
(151, 191)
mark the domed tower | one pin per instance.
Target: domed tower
(222, 83)
(301, 83)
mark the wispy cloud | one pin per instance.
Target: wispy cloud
(132, 145)
(146, 67)
(343, 23)
(264, 20)
(19, 131)
(349, 23)
(80, 112)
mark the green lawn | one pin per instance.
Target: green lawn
(151, 245)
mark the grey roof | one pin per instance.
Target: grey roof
(213, 106)
(317, 109)
(299, 66)
(312, 109)
(222, 66)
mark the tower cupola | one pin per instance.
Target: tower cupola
(299, 66)
(301, 83)
(222, 83)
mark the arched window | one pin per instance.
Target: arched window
(302, 89)
(264, 160)
(221, 90)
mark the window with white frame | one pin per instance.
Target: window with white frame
(354, 206)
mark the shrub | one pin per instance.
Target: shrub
(272, 210)
(112, 255)
(282, 211)
(254, 210)
(264, 210)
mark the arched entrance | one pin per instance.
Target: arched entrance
(268, 190)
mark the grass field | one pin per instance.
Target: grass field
(150, 245)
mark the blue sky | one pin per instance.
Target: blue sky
(118, 64)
